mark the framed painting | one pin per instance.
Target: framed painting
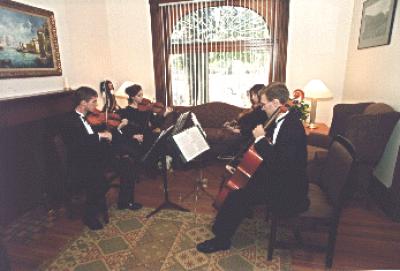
(376, 23)
(28, 41)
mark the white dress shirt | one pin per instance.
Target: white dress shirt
(85, 123)
(279, 120)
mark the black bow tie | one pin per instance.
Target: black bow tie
(84, 117)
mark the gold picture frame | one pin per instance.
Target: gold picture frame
(28, 41)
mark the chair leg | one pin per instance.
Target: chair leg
(298, 237)
(267, 214)
(331, 244)
(272, 238)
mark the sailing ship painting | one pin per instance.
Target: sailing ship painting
(27, 42)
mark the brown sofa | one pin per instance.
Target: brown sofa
(212, 116)
(368, 126)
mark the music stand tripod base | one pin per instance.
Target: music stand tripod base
(167, 204)
(198, 190)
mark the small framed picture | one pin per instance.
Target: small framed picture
(376, 23)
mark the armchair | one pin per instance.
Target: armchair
(326, 199)
(368, 126)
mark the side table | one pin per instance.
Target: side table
(322, 129)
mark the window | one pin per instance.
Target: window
(217, 54)
(215, 50)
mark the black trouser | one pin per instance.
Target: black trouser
(127, 169)
(95, 190)
(237, 205)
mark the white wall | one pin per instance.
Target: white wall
(130, 42)
(373, 74)
(318, 42)
(101, 39)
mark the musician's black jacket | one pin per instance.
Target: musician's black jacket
(284, 167)
(85, 151)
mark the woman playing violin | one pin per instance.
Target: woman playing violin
(244, 124)
(280, 180)
(142, 121)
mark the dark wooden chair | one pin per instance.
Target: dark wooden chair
(4, 260)
(72, 189)
(326, 198)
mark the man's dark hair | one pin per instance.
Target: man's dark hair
(276, 90)
(84, 94)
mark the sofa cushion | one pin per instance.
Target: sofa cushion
(213, 114)
(216, 135)
(377, 108)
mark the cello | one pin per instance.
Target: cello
(250, 160)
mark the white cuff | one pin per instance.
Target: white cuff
(258, 139)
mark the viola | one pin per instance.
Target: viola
(98, 118)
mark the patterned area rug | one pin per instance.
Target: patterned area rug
(29, 227)
(166, 241)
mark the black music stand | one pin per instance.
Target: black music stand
(157, 152)
(196, 138)
(200, 182)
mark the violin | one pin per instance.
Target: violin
(147, 105)
(298, 96)
(98, 118)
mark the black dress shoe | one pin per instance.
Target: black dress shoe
(213, 245)
(93, 223)
(131, 206)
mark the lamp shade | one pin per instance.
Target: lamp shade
(121, 90)
(316, 89)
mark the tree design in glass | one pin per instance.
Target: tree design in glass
(217, 54)
(215, 24)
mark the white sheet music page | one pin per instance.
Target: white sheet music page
(191, 143)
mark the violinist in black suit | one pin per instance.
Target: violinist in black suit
(89, 153)
(280, 181)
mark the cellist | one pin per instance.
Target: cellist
(280, 181)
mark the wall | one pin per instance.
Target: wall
(130, 43)
(318, 42)
(102, 39)
(372, 73)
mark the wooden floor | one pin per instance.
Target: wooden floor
(366, 238)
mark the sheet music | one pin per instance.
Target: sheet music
(191, 143)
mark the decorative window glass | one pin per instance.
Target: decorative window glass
(217, 54)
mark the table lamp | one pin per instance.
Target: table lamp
(120, 93)
(315, 89)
